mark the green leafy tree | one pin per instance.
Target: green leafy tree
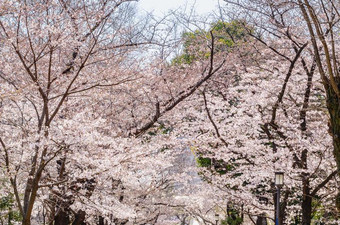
(227, 35)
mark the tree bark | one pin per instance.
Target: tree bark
(101, 221)
(261, 220)
(62, 218)
(79, 218)
(306, 203)
(333, 105)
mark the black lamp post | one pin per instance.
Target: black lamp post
(278, 184)
(217, 218)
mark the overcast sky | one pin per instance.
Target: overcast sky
(160, 7)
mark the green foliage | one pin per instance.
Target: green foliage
(6, 210)
(164, 130)
(337, 200)
(6, 202)
(320, 212)
(161, 129)
(233, 217)
(203, 162)
(152, 133)
(227, 35)
(230, 33)
(232, 221)
(183, 59)
(220, 166)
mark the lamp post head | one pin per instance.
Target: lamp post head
(217, 217)
(279, 179)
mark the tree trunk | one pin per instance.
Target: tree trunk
(79, 218)
(261, 220)
(306, 203)
(62, 218)
(26, 222)
(101, 221)
(333, 105)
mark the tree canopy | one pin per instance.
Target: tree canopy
(111, 117)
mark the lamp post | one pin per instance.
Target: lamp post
(278, 184)
(217, 218)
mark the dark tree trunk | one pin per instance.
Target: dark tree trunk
(79, 218)
(306, 203)
(62, 218)
(101, 221)
(333, 105)
(261, 220)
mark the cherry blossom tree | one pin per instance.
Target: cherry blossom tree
(52, 53)
(80, 94)
(240, 157)
(273, 115)
(304, 22)
(93, 120)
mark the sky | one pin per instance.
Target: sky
(160, 7)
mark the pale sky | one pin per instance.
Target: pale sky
(160, 7)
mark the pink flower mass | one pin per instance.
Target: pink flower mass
(112, 116)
